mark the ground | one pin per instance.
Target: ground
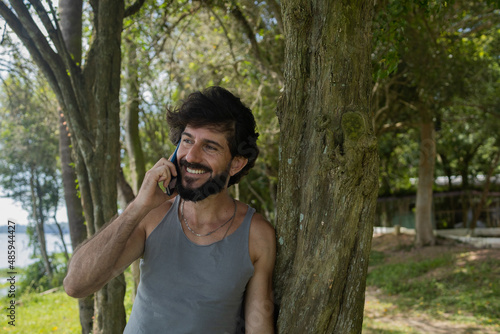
(382, 314)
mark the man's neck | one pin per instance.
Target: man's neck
(211, 209)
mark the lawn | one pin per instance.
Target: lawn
(448, 288)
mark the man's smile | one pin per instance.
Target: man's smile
(195, 171)
(194, 168)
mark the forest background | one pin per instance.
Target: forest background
(435, 106)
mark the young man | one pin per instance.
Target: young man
(203, 253)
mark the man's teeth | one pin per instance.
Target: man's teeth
(195, 171)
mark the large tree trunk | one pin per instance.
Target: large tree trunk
(70, 13)
(328, 176)
(423, 214)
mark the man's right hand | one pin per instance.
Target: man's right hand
(150, 195)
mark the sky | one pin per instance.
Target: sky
(12, 210)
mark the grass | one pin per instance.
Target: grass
(448, 287)
(469, 289)
(50, 313)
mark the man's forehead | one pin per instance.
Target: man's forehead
(207, 133)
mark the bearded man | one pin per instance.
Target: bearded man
(207, 259)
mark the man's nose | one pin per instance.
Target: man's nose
(194, 154)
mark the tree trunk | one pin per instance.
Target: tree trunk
(70, 14)
(484, 194)
(125, 197)
(423, 214)
(102, 156)
(328, 176)
(132, 138)
(38, 217)
(74, 212)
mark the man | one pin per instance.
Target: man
(203, 253)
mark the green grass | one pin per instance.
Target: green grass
(443, 287)
(50, 313)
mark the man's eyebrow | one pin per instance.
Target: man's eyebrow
(208, 141)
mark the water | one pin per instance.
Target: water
(24, 252)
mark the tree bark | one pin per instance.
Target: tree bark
(132, 138)
(70, 14)
(125, 197)
(423, 214)
(328, 175)
(76, 220)
(39, 218)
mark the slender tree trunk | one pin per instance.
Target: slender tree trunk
(70, 13)
(484, 194)
(125, 197)
(423, 214)
(102, 157)
(328, 176)
(132, 138)
(39, 222)
(61, 235)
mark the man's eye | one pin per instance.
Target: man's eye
(211, 148)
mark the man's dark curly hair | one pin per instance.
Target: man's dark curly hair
(217, 107)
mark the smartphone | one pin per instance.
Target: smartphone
(171, 186)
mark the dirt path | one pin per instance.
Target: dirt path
(383, 316)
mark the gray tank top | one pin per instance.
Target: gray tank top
(188, 288)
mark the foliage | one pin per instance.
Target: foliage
(441, 56)
(29, 170)
(35, 279)
(182, 47)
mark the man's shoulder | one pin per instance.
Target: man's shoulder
(262, 241)
(262, 233)
(261, 224)
(155, 216)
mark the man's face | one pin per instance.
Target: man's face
(204, 161)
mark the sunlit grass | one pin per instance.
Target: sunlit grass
(50, 313)
(443, 288)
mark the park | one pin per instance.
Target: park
(379, 163)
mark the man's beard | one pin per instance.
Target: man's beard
(212, 186)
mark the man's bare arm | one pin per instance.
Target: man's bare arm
(121, 242)
(259, 303)
(105, 255)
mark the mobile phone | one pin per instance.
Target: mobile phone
(171, 186)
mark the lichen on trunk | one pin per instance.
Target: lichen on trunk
(328, 176)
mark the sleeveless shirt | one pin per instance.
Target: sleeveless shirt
(190, 288)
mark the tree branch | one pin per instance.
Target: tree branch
(134, 8)
(17, 26)
(229, 42)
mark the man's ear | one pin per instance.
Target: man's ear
(237, 164)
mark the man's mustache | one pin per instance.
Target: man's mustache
(184, 163)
